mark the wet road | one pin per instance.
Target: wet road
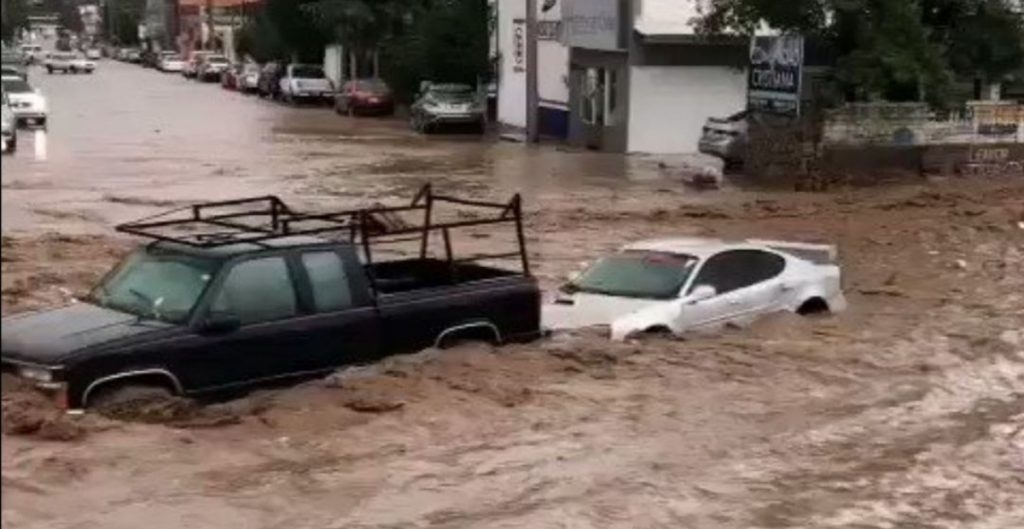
(127, 139)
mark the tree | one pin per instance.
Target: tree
(15, 18)
(894, 49)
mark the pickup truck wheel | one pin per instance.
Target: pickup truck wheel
(138, 402)
(49, 70)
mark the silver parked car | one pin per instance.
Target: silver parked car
(447, 104)
(726, 138)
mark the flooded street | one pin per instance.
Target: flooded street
(907, 411)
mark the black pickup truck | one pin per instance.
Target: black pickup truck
(205, 311)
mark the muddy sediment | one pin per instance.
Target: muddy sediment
(905, 411)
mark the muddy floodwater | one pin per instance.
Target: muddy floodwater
(907, 411)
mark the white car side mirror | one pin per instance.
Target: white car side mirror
(702, 292)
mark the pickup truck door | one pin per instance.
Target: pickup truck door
(746, 282)
(343, 326)
(255, 307)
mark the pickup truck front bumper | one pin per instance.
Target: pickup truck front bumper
(48, 380)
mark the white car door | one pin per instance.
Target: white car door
(747, 284)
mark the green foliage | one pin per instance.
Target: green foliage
(126, 15)
(893, 49)
(416, 40)
(15, 18)
(447, 43)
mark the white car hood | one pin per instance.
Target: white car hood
(587, 310)
(34, 100)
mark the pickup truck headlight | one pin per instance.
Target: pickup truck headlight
(37, 374)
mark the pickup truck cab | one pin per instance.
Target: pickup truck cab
(68, 62)
(190, 319)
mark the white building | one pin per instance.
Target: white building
(552, 67)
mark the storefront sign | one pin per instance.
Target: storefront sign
(519, 45)
(776, 65)
(592, 24)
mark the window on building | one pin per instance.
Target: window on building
(600, 90)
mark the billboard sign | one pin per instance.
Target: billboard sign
(592, 24)
(774, 78)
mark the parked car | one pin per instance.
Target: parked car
(249, 78)
(231, 78)
(306, 82)
(11, 71)
(210, 68)
(679, 285)
(133, 55)
(171, 62)
(8, 126)
(447, 104)
(191, 69)
(27, 103)
(726, 138)
(33, 53)
(192, 315)
(13, 63)
(268, 84)
(364, 96)
(68, 62)
(93, 54)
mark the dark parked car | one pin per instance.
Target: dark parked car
(269, 82)
(227, 305)
(364, 96)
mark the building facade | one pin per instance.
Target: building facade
(509, 54)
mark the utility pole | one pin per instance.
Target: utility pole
(532, 95)
(209, 23)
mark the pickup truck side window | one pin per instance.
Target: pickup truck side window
(257, 291)
(326, 272)
(735, 269)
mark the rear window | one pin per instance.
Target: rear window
(636, 274)
(16, 86)
(308, 72)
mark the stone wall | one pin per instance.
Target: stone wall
(870, 142)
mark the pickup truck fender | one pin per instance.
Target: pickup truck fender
(134, 373)
(469, 327)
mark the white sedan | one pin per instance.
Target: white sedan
(28, 104)
(68, 62)
(685, 284)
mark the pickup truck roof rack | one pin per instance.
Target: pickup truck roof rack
(275, 220)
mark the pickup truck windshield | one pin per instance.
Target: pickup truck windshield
(636, 274)
(156, 284)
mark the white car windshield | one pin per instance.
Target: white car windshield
(16, 86)
(636, 274)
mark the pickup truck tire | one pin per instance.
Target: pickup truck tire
(49, 70)
(138, 401)
(469, 335)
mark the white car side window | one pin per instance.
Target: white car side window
(735, 269)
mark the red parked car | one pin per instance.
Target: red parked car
(229, 79)
(364, 96)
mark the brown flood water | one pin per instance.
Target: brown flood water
(907, 411)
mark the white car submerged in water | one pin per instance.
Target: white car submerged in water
(687, 284)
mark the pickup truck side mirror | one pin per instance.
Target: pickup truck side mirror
(220, 322)
(701, 293)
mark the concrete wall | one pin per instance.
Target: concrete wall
(668, 105)
(512, 64)
(552, 69)
(334, 64)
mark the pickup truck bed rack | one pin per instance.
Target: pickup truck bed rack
(362, 226)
